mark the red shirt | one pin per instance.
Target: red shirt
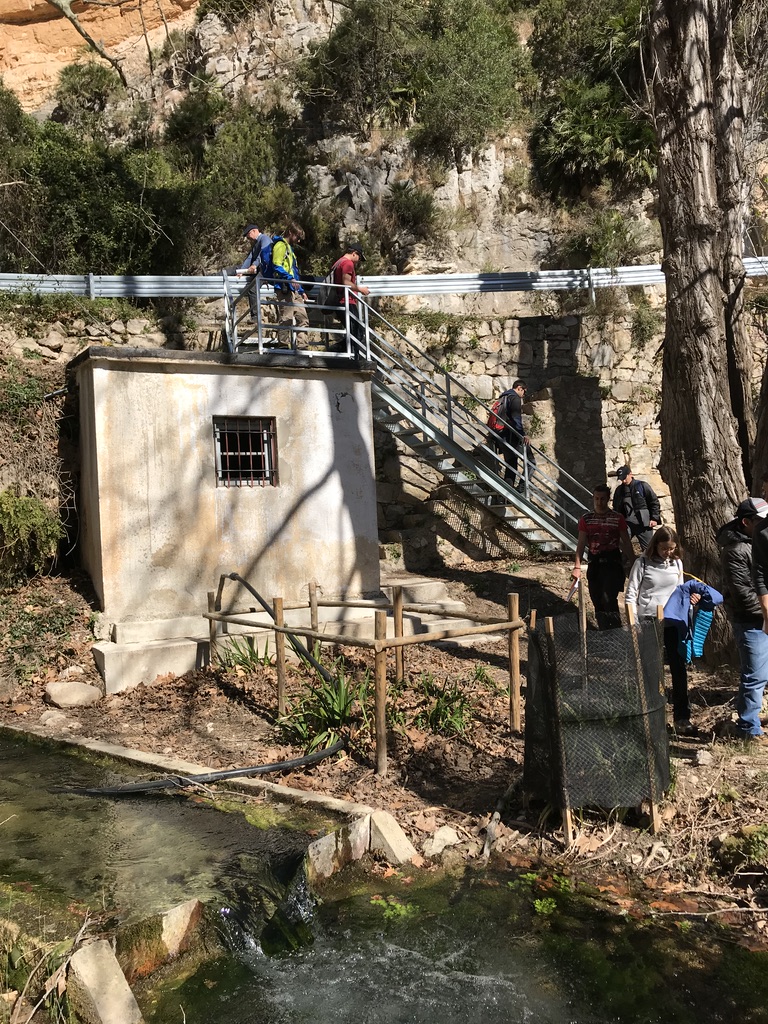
(603, 531)
(345, 266)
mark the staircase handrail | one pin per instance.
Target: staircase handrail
(481, 426)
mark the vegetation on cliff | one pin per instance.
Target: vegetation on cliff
(106, 185)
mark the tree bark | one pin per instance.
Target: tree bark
(706, 417)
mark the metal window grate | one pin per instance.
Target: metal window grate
(246, 451)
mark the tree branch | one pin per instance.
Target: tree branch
(65, 8)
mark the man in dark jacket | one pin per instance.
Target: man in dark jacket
(745, 613)
(637, 502)
(516, 442)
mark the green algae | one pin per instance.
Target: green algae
(275, 815)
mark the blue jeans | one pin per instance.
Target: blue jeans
(753, 653)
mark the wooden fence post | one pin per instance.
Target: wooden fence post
(513, 612)
(650, 758)
(568, 830)
(211, 628)
(277, 603)
(380, 695)
(313, 606)
(397, 614)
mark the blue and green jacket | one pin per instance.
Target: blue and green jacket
(284, 265)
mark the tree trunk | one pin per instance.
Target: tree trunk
(706, 402)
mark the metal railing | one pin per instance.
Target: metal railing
(107, 286)
(432, 411)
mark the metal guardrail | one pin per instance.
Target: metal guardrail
(96, 286)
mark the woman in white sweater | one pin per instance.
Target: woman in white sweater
(655, 574)
(652, 579)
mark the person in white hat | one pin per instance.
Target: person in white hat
(743, 607)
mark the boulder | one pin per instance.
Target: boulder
(71, 694)
(97, 989)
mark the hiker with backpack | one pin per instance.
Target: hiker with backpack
(290, 295)
(637, 502)
(507, 435)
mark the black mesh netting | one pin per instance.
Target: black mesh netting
(595, 716)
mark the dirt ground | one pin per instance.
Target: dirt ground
(450, 766)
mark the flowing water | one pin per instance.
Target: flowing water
(403, 949)
(134, 856)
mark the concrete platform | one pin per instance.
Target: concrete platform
(123, 666)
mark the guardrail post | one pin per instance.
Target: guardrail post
(91, 286)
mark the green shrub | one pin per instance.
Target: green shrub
(318, 718)
(365, 71)
(646, 323)
(193, 124)
(595, 38)
(230, 11)
(19, 391)
(471, 70)
(599, 238)
(589, 134)
(83, 94)
(452, 68)
(29, 536)
(413, 208)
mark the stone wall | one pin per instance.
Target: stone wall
(593, 405)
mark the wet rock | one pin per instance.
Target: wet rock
(178, 923)
(389, 839)
(97, 989)
(71, 694)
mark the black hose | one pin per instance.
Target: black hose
(295, 643)
(180, 781)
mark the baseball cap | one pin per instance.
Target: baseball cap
(356, 247)
(752, 508)
(623, 472)
(251, 227)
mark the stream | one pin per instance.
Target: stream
(401, 947)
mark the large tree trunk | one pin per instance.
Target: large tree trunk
(706, 418)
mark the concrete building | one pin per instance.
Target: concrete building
(198, 464)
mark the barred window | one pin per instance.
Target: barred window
(246, 451)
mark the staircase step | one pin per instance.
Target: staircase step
(421, 590)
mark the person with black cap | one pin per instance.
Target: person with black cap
(743, 608)
(637, 502)
(255, 263)
(345, 273)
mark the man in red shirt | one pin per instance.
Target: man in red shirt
(604, 533)
(345, 273)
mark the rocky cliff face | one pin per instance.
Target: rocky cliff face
(36, 41)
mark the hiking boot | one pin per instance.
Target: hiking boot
(759, 740)
(683, 727)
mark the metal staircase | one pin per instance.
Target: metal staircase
(440, 421)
